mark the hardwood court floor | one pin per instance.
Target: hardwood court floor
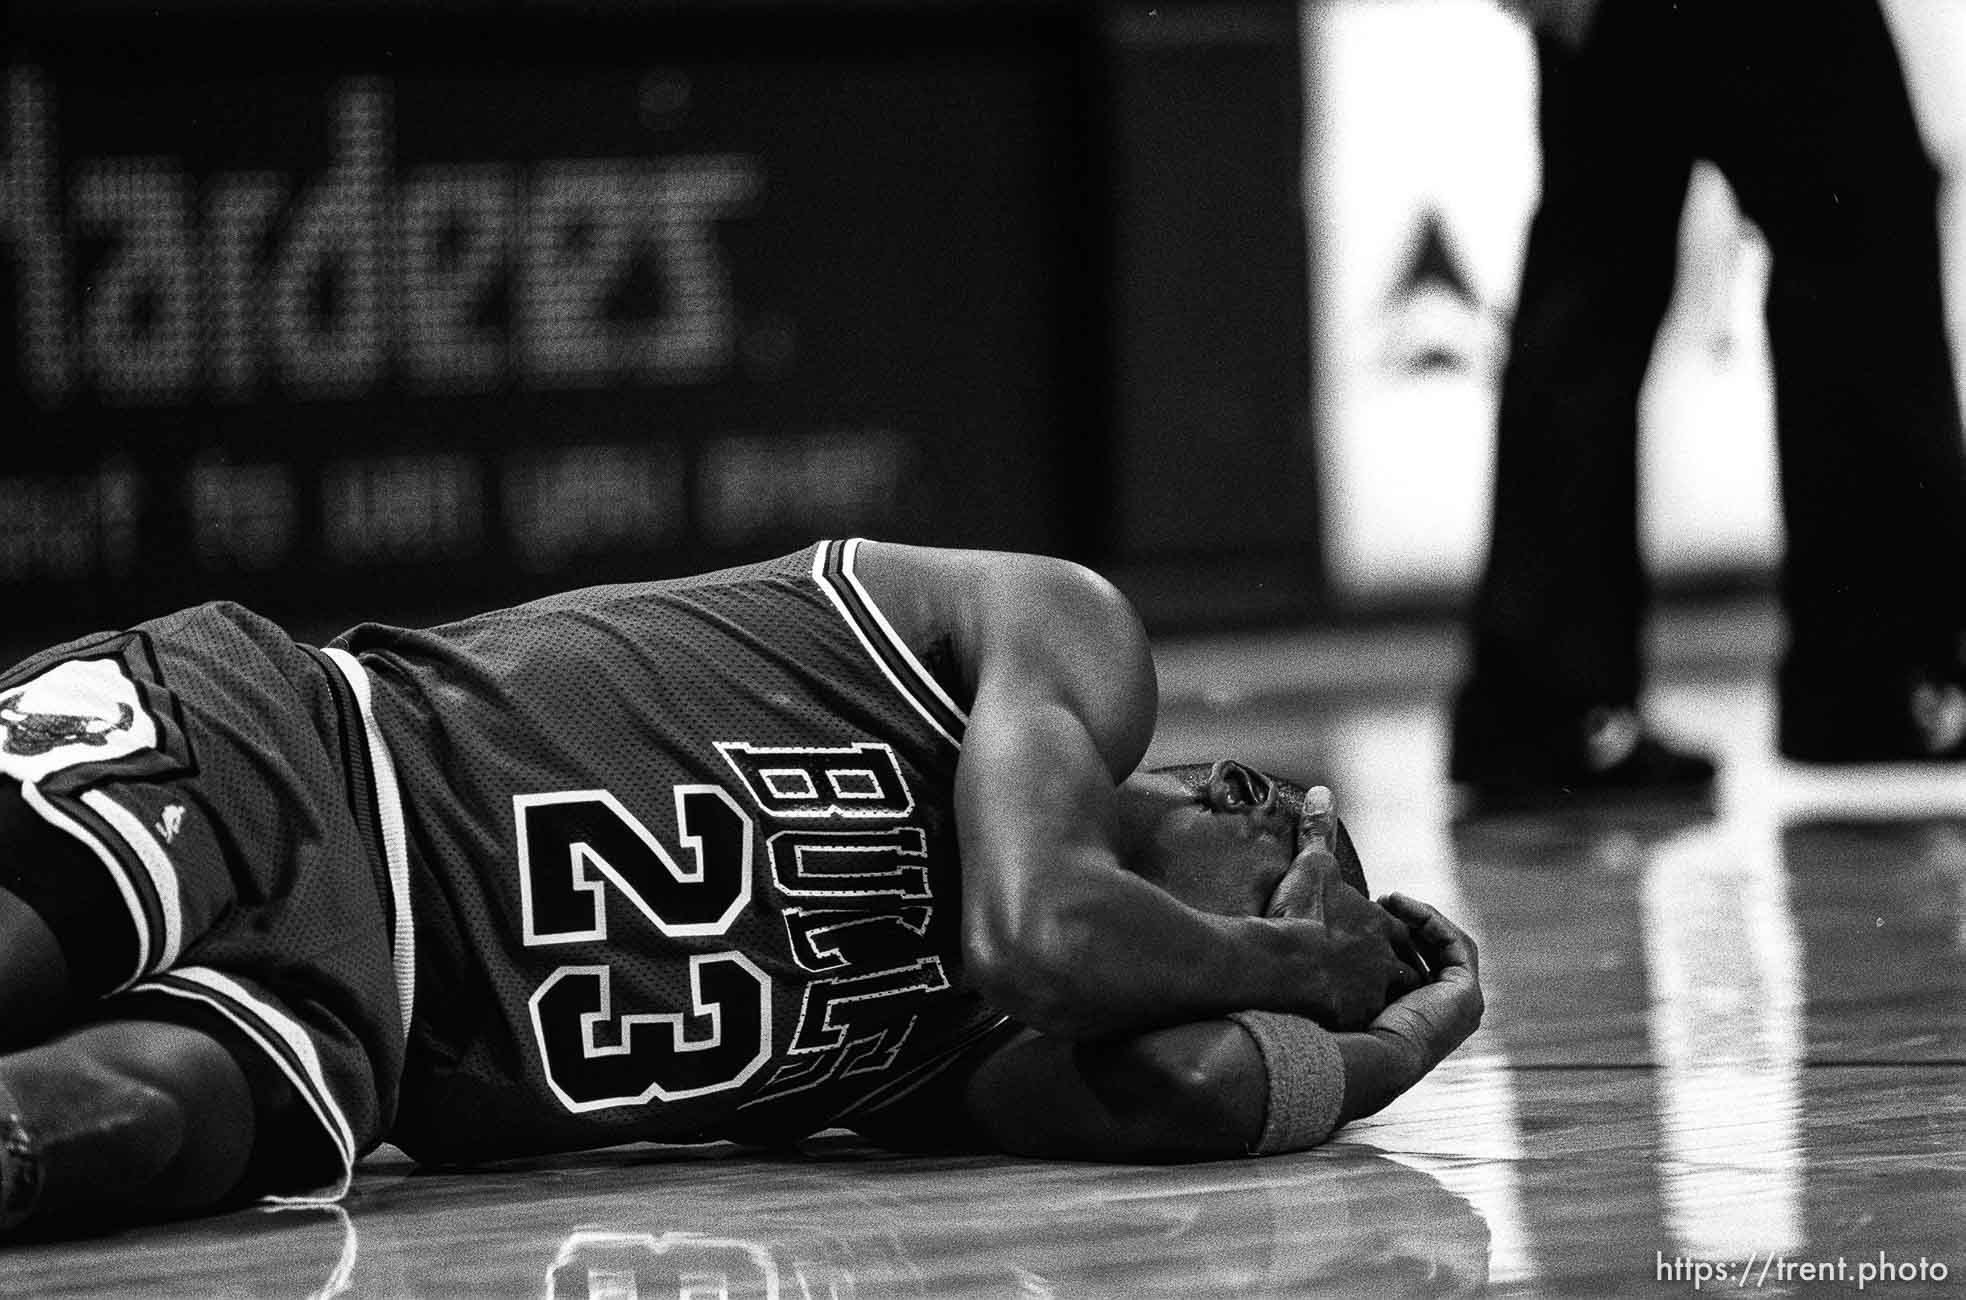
(1734, 1041)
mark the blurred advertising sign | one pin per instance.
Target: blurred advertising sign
(435, 312)
(1422, 172)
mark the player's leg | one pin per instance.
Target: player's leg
(100, 1121)
(65, 934)
(36, 995)
(113, 1119)
(123, 1119)
(203, 870)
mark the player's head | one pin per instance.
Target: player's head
(1220, 835)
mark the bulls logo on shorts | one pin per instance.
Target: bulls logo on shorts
(90, 711)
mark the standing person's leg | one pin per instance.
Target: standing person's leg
(1829, 161)
(1556, 622)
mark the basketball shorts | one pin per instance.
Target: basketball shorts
(202, 813)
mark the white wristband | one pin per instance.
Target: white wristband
(1307, 1080)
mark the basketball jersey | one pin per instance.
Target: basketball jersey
(684, 862)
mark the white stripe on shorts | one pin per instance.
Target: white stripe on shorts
(256, 1018)
(156, 863)
(139, 921)
(395, 842)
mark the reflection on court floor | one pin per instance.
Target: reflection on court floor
(1728, 989)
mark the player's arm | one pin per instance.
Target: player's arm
(1254, 1084)
(1056, 931)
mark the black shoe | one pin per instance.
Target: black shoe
(1604, 759)
(1918, 716)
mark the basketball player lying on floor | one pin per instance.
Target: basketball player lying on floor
(849, 838)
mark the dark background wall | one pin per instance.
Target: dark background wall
(394, 310)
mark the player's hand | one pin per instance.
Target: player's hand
(1423, 1026)
(1362, 956)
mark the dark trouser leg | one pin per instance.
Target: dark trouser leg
(1556, 619)
(1827, 158)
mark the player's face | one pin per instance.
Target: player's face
(1219, 836)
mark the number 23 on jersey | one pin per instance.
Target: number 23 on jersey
(849, 867)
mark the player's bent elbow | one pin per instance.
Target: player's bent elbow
(1189, 1093)
(1173, 1096)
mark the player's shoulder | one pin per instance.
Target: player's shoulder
(1032, 625)
(989, 595)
